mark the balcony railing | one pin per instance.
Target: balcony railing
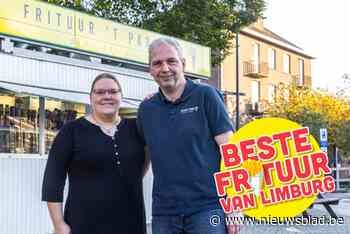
(259, 70)
(307, 82)
(256, 108)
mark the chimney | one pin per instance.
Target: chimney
(259, 23)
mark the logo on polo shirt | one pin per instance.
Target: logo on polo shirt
(189, 110)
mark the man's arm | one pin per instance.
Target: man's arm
(223, 138)
(218, 119)
(221, 128)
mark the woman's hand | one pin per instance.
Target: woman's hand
(62, 228)
(56, 214)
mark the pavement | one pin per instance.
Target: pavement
(342, 210)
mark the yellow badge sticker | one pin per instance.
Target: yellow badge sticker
(272, 167)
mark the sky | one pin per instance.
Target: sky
(321, 28)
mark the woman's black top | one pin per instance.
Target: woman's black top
(105, 193)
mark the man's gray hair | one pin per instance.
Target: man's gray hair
(165, 40)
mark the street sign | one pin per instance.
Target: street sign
(323, 139)
(323, 134)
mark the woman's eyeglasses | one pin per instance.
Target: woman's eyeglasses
(101, 92)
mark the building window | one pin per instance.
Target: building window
(286, 63)
(19, 121)
(301, 72)
(256, 56)
(271, 93)
(255, 92)
(272, 59)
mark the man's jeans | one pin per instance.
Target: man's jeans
(204, 222)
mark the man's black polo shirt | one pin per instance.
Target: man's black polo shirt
(182, 149)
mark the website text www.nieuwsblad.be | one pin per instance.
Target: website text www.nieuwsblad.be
(271, 220)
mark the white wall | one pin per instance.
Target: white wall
(21, 209)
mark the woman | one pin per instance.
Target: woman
(104, 159)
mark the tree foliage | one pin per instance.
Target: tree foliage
(316, 109)
(212, 23)
(73, 4)
(345, 89)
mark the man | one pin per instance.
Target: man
(183, 126)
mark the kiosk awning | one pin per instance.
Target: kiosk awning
(64, 95)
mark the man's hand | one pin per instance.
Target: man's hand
(62, 228)
(233, 228)
(149, 96)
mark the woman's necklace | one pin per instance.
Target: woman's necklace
(111, 130)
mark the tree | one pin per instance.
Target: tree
(345, 89)
(74, 4)
(207, 22)
(212, 23)
(316, 109)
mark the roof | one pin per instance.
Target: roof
(273, 38)
(269, 33)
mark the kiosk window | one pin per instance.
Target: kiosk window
(19, 121)
(18, 125)
(58, 113)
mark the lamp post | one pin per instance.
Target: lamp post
(237, 79)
